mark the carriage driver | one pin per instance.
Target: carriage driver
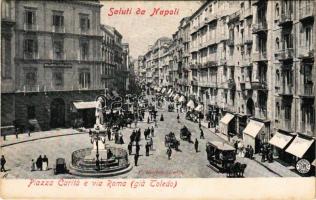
(99, 111)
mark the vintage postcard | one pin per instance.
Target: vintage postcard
(158, 99)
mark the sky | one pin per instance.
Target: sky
(140, 31)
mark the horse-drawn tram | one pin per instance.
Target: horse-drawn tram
(220, 155)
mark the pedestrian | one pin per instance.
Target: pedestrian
(196, 145)
(148, 120)
(17, 133)
(147, 149)
(109, 134)
(2, 162)
(109, 154)
(137, 149)
(169, 152)
(236, 146)
(135, 123)
(39, 163)
(152, 131)
(250, 152)
(202, 134)
(136, 159)
(121, 139)
(161, 117)
(45, 163)
(29, 132)
(129, 147)
(33, 168)
(200, 125)
(178, 118)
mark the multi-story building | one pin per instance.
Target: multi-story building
(251, 65)
(126, 66)
(108, 66)
(57, 60)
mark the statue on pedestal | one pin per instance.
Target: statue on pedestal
(99, 112)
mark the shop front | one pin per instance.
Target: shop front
(253, 133)
(302, 148)
(280, 141)
(84, 114)
(226, 126)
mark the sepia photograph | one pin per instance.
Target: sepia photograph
(147, 93)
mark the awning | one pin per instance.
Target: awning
(169, 91)
(280, 140)
(227, 118)
(199, 108)
(163, 90)
(175, 98)
(182, 99)
(85, 105)
(299, 146)
(190, 104)
(170, 95)
(253, 128)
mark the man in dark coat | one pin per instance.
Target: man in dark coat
(3, 161)
(178, 118)
(39, 163)
(109, 134)
(148, 120)
(202, 134)
(147, 149)
(152, 131)
(136, 159)
(196, 145)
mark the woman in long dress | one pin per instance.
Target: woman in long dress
(45, 163)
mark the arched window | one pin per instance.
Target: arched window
(277, 10)
(277, 43)
(277, 110)
(277, 78)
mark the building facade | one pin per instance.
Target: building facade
(50, 72)
(251, 65)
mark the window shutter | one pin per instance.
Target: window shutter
(25, 17)
(25, 45)
(53, 20)
(88, 23)
(35, 42)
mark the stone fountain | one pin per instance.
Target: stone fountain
(101, 159)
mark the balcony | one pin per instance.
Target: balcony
(259, 56)
(86, 32)
(194, 82)
(230, 42)
(262, 113)
(259, 27)
(231, 85)
(259, 85)
(246, 61)
(307, 91)
(30, 27)
(193, 66)
(286, 90)
(285, 54)
(248, 40)
(306, 13)
(58, 29)
(286, 19)
(305, 53)
(29, 88)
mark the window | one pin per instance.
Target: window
(84, 79)
(30, 48)
(277, 42)
(58, 47)
(84, 22)
(277, 110)
(288, 41)
(277, 10)
(277, 79)
(58, 79)
(5, 9)
(31, 112)
(58, 19)
(84, 49)
(30, 78)
(5, 56)
(30, 17)
(287, 112)
(308, 37)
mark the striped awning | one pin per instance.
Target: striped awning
(85, 105)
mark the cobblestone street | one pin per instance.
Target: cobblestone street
(185, 163)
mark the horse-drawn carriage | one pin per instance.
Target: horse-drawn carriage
(170, 108)
(185, 134)
(222, 157)
(171, 140)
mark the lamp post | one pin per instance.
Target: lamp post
(97, 153)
